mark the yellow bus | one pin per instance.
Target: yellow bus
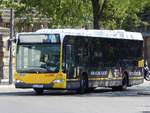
(78, 59)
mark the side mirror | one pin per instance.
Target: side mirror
(9, 41)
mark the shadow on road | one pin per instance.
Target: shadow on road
(102, 92)
(145, 112)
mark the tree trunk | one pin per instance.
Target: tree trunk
(96, 8)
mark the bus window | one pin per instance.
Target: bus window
(96, 53)
(69, 57)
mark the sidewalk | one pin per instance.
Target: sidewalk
(146, 83)
(4, 82)
(144, 89)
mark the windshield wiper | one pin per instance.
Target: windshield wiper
(33, 70)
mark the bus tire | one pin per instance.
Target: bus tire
(124, 84)
(91, 89)
(83, 84)
(38, 91)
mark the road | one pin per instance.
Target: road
(102, 100)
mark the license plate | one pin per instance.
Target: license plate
(37, 86)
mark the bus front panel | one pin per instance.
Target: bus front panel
(38, 61)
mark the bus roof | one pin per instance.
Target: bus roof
(117, 34)
(114, 34)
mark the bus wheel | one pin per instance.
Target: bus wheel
(124, 85)
(124, 82)
(83, 83)
(91, 89)
(38, 91)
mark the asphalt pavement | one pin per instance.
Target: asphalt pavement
(102, 100)
(142, 89)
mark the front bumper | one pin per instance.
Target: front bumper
(24, 85)
(69, 85)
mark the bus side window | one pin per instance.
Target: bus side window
(70, 61)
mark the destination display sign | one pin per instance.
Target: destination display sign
(39, 38)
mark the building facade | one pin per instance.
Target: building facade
(4, 53)
(146, 36)
(1, 56)
(4, 36)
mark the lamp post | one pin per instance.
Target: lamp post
(10, 46)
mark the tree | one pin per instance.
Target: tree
(109, 14)
(132, 20)
(58, 13)
(98, 9)
(114, 14)
(144, 15)
(106, 14)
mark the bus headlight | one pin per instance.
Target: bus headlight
(19, 81)
(58, 81)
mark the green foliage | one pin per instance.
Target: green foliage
(10, 4)
(144, 15)
(114, 15)
(134, 21)
(70, 13)
(126, 14)
(117, 14)
(58, 13)
(30, 15)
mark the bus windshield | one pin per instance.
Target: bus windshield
(38, 58)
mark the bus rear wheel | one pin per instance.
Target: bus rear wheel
(38, 91)
(83, 84)
(124, 85)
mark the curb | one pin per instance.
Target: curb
(5, 82)
(144, 93)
